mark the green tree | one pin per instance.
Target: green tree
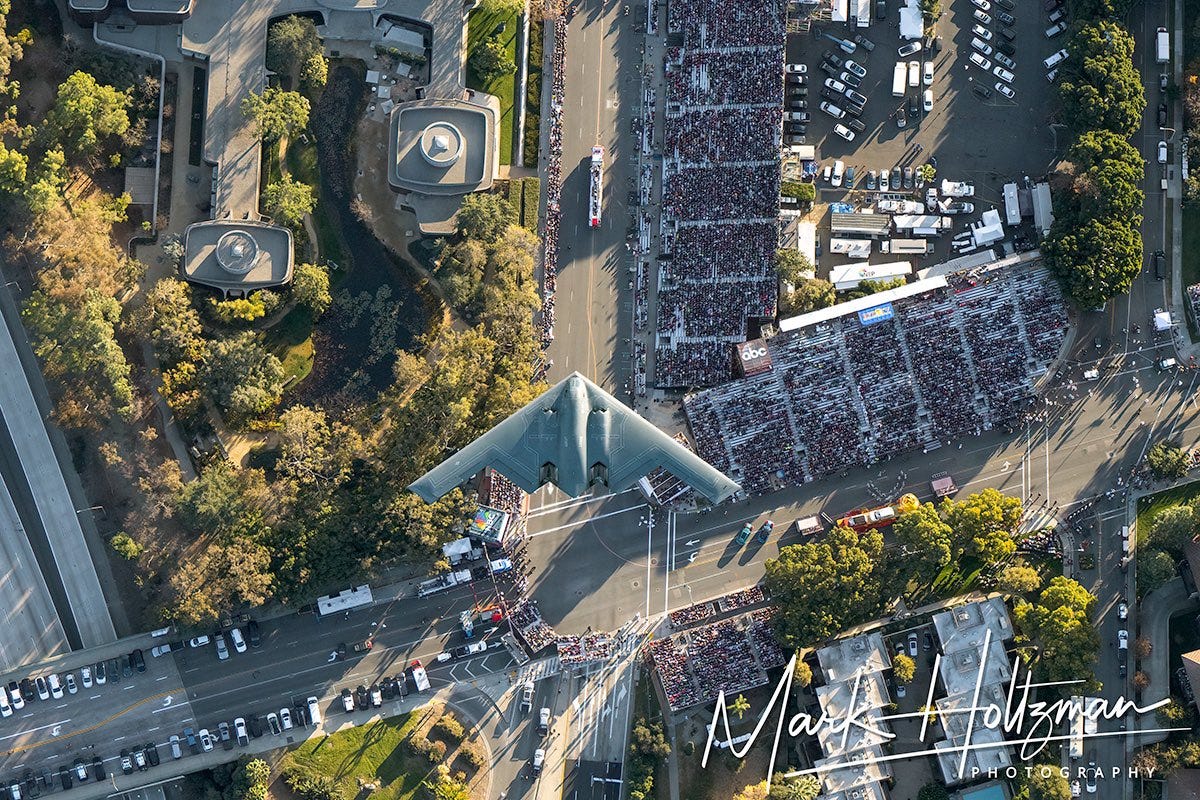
(1167, 460)
(1173, 529)
(647, 739)
(1045, 782)
(310, 288)
(802, 673)
(1109, 172)
(287, 201)
(740, 706)
(491, 61)
(904, 668)
(821, 587)
(791, 266)
(13, 167)
(810, 295)
(276, 113)
(125, 546)
(46, 190)
(1019, 579)
(241, 377)
(85, 113)
(1093, 259)
(315, 450)
(172, 323)
(927, 541)
(1154, 569)
(933, 791)
(80, 352)
(1059, 623)
(755, 791)
(1099, 87)
(294, 42)
(983, 524)
(485, 216)
(805, 787)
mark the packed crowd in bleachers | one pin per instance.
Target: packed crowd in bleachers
(701, 252)
(699, 137)
(666, 489)
(685, 617)
(951, 362)
(742, 599)
(1193, 297)
(720, 195)
(589, 647)
(731, 655)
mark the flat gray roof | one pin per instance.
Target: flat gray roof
(963, 627)
(237, 256)
(441, 147)
(174, 7)
(844, 658)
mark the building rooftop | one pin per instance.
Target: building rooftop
(174, 7)
(237, 256)
(980, 759)
(963, 627)
(88, 5)
(869, 730)
(872, 693)
(868, 791)
(845, 658)
(844, 773)
(441, 147)
(960, 670)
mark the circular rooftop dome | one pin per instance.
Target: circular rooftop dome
(441, 143)
(237, 252)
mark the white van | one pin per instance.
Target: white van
(1054, 59)
(1166, 364)
(314, 711)
(839, 170)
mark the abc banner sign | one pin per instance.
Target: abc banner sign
(753, 357)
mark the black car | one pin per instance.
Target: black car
(1006, 19)
(1007, 33)
(856, 124)
(832, 96)
(300, 713)
(895, 181)
(253, 634)
(982, 91)
(801, 91)
(64, 777)
(833, 58)
(30, 784)
(928, 640)
(98, 768)
(798, 105)
(101, 672)
(830, 69)
(1006, 48)
(864, 42)
(388, 687)
(254, 725)
(1162, 115)
(360, 698)
(115, 669)
(1009, 4)
(152, 754)
(880, 9)
(913, 107)
(853, 109)
(138, 660)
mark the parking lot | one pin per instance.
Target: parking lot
(986, 141)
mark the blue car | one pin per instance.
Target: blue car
(744, 534)
(764, 531)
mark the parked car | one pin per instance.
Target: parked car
(906, 50)
(98, 769)
(864, 42)
(1005, 89)
(883, 180)
(835, 85)
(140, 761)
(1122, 611)
(982, 46)
(137, 660)
(833, 58)
(1004, 60)
(855, 97)
(55, 686)
(222, 648)
(912, 645)
(273, 724)
(81, 770)
(798, 69)
(850, 79)
(239, 641)
(1162, 115)
(1006, 18)
(223, 732)
(1162, 152)
(982, 16)
(176, 749)
(981, 32)
(833, 111)
(856, 125)
(126, 762)
(981, 61)
(285, 719)
(206, 740)
(199, 641)
(241, 732)
(927, 73)
(253, 633)
(1055, 29)
(908, 174)
(43, 691)
(855, 68)
(1003, 74)
(901, 117)
(85, 676)
(527, 697)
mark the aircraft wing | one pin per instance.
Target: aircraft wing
(505, 448)
(636, 448)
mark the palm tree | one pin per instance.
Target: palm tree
(740, 706)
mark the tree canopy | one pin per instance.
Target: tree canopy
(821, 587)
(927, 541)
(85, 113)
(1154, 569)
(491, 60)
(310, 288)
(1059, 623)
(1099, 86)
(294, 49)
(1173, 529)
(904, 668)
(1095, 259)
(287, 201)
(791, 266)
(983, 524)
(276, 113)
(1167, 460)
(241, 377)
(1019, 579)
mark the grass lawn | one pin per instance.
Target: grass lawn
(291, 342)
(1150, 507)
(302, 163)
(484, 22)
(375, 752)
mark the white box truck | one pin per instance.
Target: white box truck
(899, 77)
(1162, 46)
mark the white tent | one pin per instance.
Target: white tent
(1162, 321)
(989, 229)
(912, 23)
(840, 11)
(851, 248)
(848, 276)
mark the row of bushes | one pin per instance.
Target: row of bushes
(533, 91)
(522, 195)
